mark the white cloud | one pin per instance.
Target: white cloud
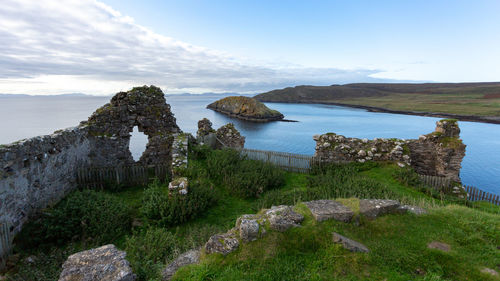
(53, 46)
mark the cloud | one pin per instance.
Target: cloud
(52, 46)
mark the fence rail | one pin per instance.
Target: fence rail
(129, 175)
(5, 243)
(287, 161)
(475, 194)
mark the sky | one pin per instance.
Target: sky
(102, 47)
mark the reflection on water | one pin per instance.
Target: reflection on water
(31, 116)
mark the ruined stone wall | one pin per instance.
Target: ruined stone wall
(37, 172)
(437, 154)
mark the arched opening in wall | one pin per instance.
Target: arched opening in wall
(137, 144)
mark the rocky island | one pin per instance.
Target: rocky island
(245, 108)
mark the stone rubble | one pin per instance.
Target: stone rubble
(373, 208)
(349, 244)
(187, 258)
(439, 246)
(105, 263)
(329, 209)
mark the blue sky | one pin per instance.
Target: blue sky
(245, 46)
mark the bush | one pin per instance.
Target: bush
(242, 177)
(167, 209)
(149, 250)
(344, 181)
(81, 215)
(199, 152)
(252, 178)
(407, 176)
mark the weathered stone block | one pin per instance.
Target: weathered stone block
(105, 263)
(372, 208)
(187, 258)
(349, 244)
(328, 209)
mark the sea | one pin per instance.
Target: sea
(28, 116)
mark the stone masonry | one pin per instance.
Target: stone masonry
(38, 172)
(437, 154)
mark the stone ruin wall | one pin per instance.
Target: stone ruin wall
(38, 172)
(225, 136)
(439, 153)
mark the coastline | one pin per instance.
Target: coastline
(470, 118)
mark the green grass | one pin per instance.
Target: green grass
(398, 242)
(398, 245)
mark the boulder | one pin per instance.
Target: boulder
(372, 208)
(105, 263)
(328, 209)
(489, 271)
(249, 230)
(411, 209)
(349, 244)
(187, 258)
(439, 246)
(282, 218)
(222, 243)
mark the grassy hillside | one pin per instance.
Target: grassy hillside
(479, 99)
(154, 228)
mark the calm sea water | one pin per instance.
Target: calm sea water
(24, 117)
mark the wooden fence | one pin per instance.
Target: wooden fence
(127, 175)
(5, 243)
(287, 161)
(439, 183)
(475, 194)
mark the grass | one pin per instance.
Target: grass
(398, 245)
(398, 242)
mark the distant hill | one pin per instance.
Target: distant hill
(465, 101)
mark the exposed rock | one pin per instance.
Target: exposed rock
(245, 108)
(229, 136)
(105, 263)
(349, 244)
(281, 218)
(179, 185)
(204, 128)
(222, 243)
(372, 208)
(489, 271)
(439, 246)
(328, 209)
(412, 209)
(187, 258)
(249, 230)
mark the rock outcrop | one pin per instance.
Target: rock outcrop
(187, 258)
(245, 108)
(105, 263)
(229, 136)
(349, 244)
(329, 209)
(436, 154)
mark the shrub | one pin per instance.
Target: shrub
(242, 177)
(251, 178)
(343, 181)
(407, 176)
(81, 215)
(199, 152)
(167, 209)
(149, 250)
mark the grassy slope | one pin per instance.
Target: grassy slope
(397, 243)
(308, 252)
(482, 99)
